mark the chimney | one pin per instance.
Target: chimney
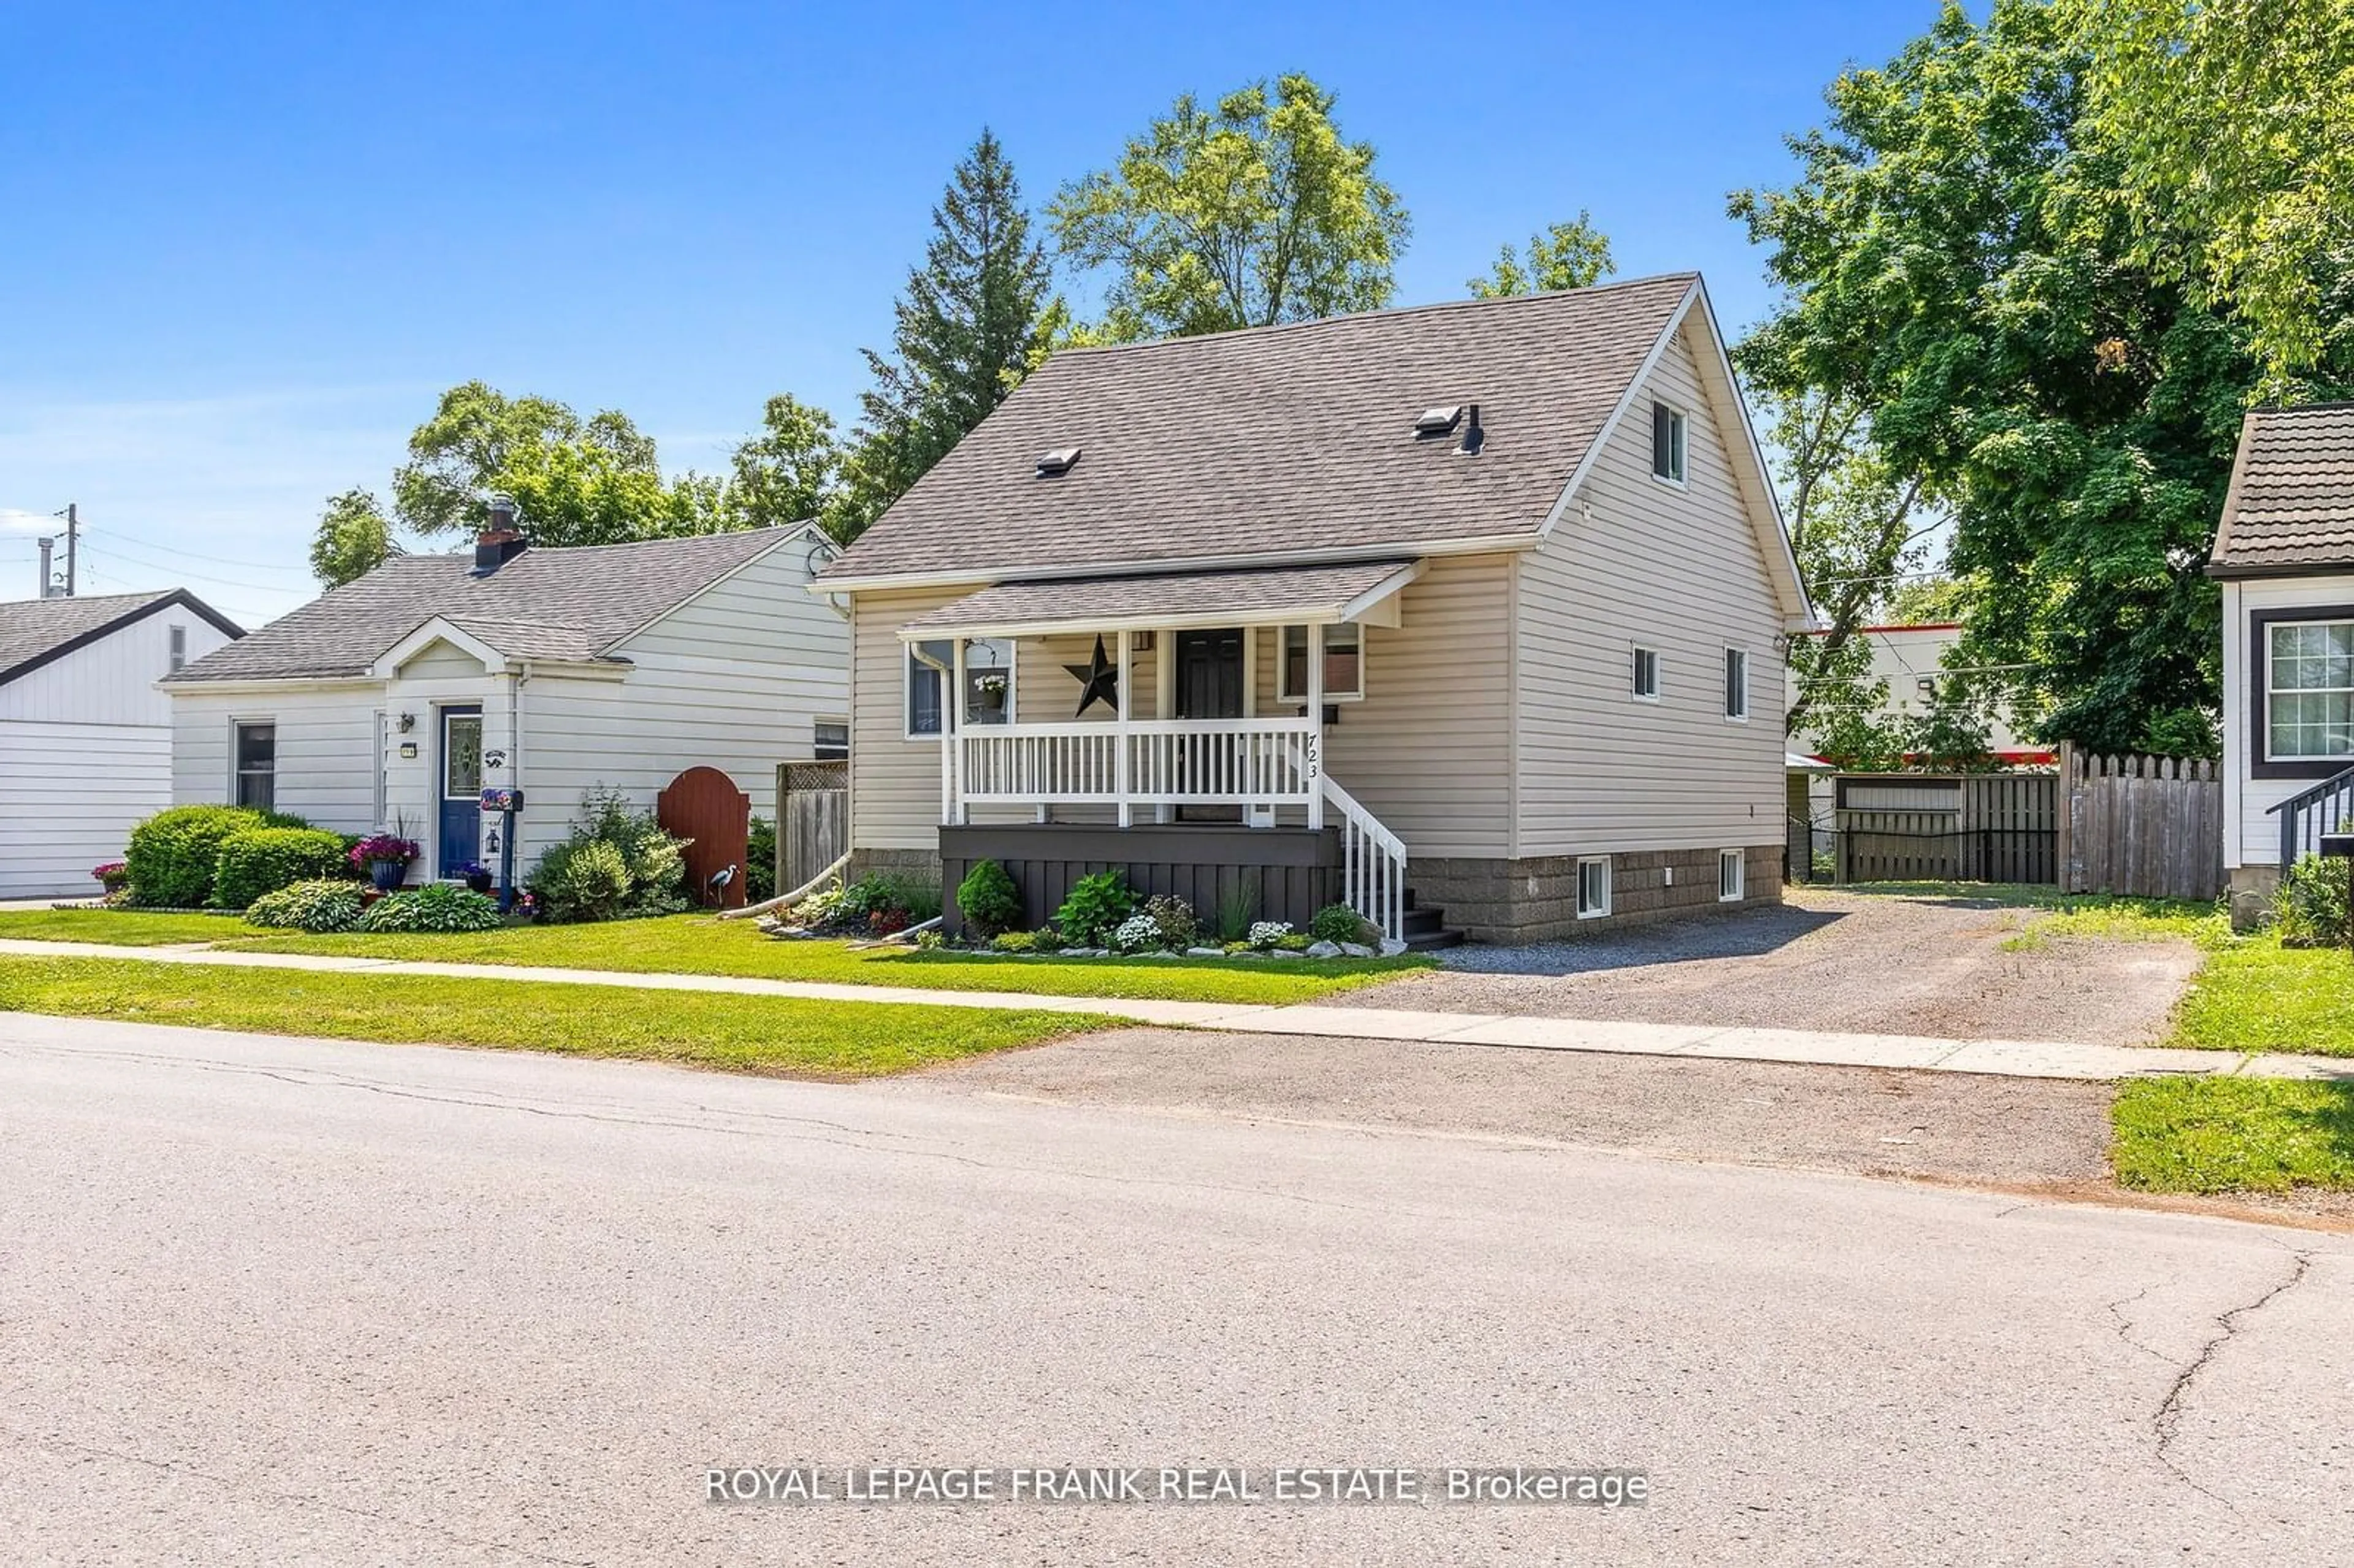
(1474, 438)
(46, 545)
(502, 540)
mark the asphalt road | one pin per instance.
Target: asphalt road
(277, 1301)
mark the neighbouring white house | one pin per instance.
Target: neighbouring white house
(1911, 658)
(1475, 609)
(393, 702)
(85, 737)
(2285, 556)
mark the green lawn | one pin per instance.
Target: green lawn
(2255, 995)
(770, 1036)
(2221, 1135)
(694, 944)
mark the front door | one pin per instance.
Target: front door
(461, 772)
(1209, 675)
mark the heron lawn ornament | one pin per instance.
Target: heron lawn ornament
(1100, 676)
(715, 886)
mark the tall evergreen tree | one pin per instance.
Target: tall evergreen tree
(968, 328)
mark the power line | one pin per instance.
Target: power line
(195, 555)
(113, 553)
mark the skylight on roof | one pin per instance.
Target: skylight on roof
(1438, 421)
(1057, 461)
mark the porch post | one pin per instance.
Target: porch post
(952, 725)
(1315, 757)
(1121, 764)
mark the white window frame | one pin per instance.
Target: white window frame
(1679, 442)
(237, 725)
(1736, 888)
(910, 667)
(177, 640)
(1637, 653)
(1283, 692)
(1593, 911)
(952, 716)
(817, 747)
(1736, 691)
(2274, 692)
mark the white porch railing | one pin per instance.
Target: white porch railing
(1372, 865)
(1153, 762)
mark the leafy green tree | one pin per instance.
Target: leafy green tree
(1952, 259)
(1572, 255)
(1932, 600)
(1252, 212)
(353, 539)
(971, 323)
(790, 471)
(2233, 123)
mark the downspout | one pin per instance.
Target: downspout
(509, 856)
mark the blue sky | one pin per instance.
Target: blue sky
(248, 243)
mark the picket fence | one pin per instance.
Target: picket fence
(2148, 826)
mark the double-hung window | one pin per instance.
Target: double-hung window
(254, 747)
(988, 685)
(1344, 665)
(2309, 691)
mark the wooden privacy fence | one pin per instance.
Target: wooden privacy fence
(2148, 826)
(812, 819)
(1946, 827)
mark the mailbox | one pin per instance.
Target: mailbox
(2337, 846)
(509, 801)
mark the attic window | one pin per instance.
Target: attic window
(1438, 421)
(1057, 463)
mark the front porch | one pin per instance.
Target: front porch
(1193, 754)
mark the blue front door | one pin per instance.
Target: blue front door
(462, 790)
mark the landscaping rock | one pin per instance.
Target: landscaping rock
(1284, 953)
(1205, 952)
(1324, 949)
(1391, 947)
(1356, 951)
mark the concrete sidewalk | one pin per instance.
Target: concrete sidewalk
(2009, 1058)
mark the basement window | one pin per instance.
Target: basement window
(1667, 443)
(1593, 886)
(1731, 877)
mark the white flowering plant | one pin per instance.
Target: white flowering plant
(1137, 933)
(1268, 933)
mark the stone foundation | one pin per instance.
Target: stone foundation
(1535, 899)
(2253, 888)
(918, 865)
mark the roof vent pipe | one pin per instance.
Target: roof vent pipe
(1473, 436)
(501, 539)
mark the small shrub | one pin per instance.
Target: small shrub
(328, 904)
(1095, 909)
(585, 881)
(173, 853)
(887, 922)
(436, 906)
(1237, 908)
(760, 861)
(988, 899)
(2310, 910)
(1175, 917)
(265, 859)
(1137, 933)
(638, 870)
(1268, 933)
(1294, 943)
(1015, 941)
(822, 908)
(1338, 923)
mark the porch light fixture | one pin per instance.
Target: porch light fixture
(407, 723)
(1055, 463)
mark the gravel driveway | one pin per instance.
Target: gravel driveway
(1874, 963)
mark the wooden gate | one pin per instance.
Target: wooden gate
(812, 820)
(703, 804)
(2148, 826)
(1948, 827)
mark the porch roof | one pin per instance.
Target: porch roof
(1286, 595)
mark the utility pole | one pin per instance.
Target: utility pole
(74, 534)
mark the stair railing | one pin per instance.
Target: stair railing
(1372, 865)
(2324, 808)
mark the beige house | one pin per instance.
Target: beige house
(1469, 615)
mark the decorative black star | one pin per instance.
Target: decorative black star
(1100, 676)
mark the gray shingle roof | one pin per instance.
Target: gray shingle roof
(1289, 593)
(35, 630)
(543, 604)
(2292, 498)
(1281, 440)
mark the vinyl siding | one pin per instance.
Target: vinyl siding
(326, 750)
(894, 783)
(112, 681)
(2251, 834)
(1678, 571)
(70, 795)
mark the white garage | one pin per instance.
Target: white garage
(85, 737)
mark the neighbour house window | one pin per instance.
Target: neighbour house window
(987, 684)
(833, 740)
(2309, 700)
(1731, 877)
(1736, 683)
(1344, 665)
(179, 656)
(1593, 886)
(1646, 675)
(1668, 442)
(254, 747)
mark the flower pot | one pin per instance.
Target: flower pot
(387, 874)
(479, 881)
